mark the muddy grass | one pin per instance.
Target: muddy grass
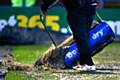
(106, 71)
(107, 63)
(103, 72)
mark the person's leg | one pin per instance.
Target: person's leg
(80, 29)
(80, 22)
(90, 12)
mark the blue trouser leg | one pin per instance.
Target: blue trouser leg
(80, 22)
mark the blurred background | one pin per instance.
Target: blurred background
(20, 22)
(20, 27)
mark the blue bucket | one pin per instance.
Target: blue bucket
(98, 36)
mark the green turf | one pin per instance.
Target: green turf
(30, 53)
(16, 75)
(110, 54)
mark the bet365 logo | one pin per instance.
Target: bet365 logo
(51, 21)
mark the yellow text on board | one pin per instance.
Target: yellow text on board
(34, 21)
